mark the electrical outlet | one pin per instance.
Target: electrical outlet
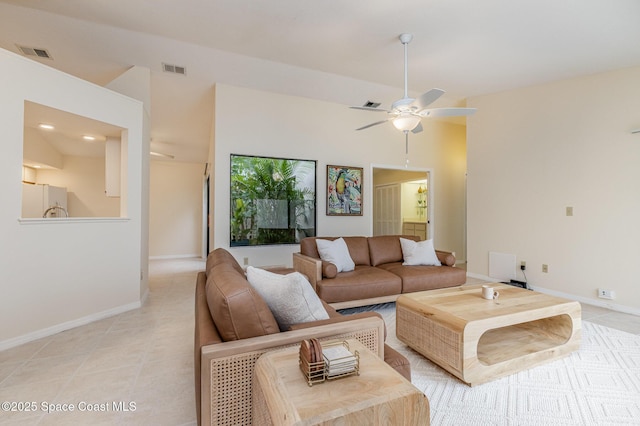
(523, 265)
(545, 268)
(569, 211)
(606, 294)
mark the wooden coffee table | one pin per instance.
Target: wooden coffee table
(378, 395)
(479, 340)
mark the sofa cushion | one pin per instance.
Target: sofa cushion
(358, 248)
(237, 310)
(290, 297)
(420, 278)
(308, 247)
(329, 270)
(205, 332)
(336, 317)
(418, 252)
(336, 252)
(386, 248)
(221, 256)
(330, 311)
(362, 283)
(446, 258)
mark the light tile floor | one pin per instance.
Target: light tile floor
(142, 357)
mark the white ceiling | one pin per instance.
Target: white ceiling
(334, 50)
(70, 130)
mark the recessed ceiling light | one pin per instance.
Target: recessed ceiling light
(46, 126)
(88, 138)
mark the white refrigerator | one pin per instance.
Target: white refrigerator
(38, 200)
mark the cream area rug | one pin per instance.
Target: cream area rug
(597, 385)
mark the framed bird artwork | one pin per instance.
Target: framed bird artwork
(344, 191)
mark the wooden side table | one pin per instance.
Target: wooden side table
(379, 395)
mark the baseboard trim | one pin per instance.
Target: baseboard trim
(35, 335)
(144, 297)
(480, 277)
(176, 256)
(588, 301)
(613, 306)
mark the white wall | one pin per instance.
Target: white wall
(534, 151)
(38, 150)
(136, 83)
(262, 123)
(175, 218)
(85, 182)
(61, 273)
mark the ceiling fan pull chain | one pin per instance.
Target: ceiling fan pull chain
(406, 148)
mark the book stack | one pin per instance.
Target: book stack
(338, 361)
(329, 361)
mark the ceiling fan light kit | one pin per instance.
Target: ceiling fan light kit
(406, 122)
(406, 113)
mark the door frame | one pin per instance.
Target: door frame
(430, 195)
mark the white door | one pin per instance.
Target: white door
(387, 210)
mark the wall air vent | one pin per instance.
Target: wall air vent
(35, 51)
(174, 69)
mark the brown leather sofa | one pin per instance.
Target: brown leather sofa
(234, 326)
(379, 275)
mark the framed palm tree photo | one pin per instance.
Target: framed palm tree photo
(344, 191)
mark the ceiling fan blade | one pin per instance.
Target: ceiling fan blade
(427, 98)
(369, 109)
(373, 124)
(418, 128)
(446, 112)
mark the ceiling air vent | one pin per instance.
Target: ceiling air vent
(174, 69)
(370, 104)
(35, 51)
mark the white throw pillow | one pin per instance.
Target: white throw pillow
(290, 297)
(419, 253)
(336, 252)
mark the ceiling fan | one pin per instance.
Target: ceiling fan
(406, 113)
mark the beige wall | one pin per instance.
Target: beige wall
(294, 127)
(534, 151)
(175, 217)
(84, 179)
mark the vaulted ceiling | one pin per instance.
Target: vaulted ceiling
(340, 51)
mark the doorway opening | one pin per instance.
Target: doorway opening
(402, 201)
